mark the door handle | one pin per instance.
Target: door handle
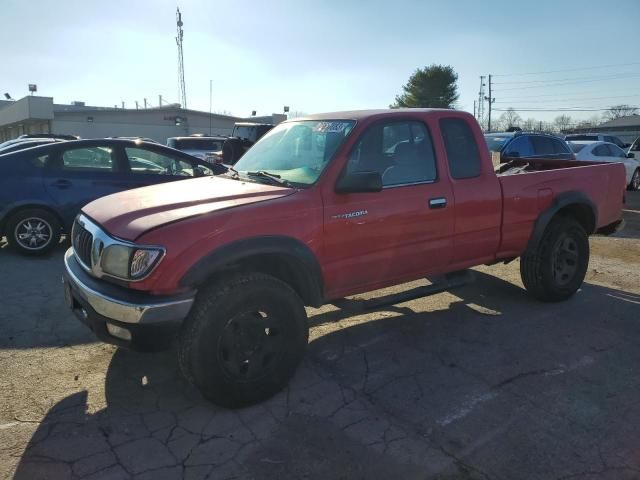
(439, 202)
(62, 184)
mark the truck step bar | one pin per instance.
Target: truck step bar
(438, 285)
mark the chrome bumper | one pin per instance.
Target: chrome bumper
(119, 304)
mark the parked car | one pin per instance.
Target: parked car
(520, 144)
(43, 188)
(595, 137)
(244, 135)
(27, 143)
(141, 139)
(204, 148)
(57, 136)
(608, 152)
(318, 209)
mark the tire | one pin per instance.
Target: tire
(33, 231)
(635, 181)
(243, 339)
(556, 269)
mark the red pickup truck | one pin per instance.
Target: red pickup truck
(320, 208)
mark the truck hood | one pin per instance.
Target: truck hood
(131, 213)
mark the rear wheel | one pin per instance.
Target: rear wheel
(243, 339)
(33, 231)
(556, 269)
(635, 180)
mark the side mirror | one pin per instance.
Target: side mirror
(631, 155)
(198, 172)
(359, 182)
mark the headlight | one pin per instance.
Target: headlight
(129, 262)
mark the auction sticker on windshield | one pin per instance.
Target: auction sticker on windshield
(331, 127)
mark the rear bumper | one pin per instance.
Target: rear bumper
(142, 322)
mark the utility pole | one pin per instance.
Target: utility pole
(491, 100)
(180, 35)
(145, 103)
(481, 102)
(210, 104)
(474, 109)
(159, 100)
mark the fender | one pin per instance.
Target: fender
(6, 212)
(300, 263)
(566, 199)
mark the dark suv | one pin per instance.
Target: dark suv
(528, 144)
(243, 137)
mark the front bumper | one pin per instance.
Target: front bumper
(144, 322)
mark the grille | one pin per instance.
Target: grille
(82, 241)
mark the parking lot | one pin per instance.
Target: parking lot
(481, 383)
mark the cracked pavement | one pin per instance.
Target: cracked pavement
(480, 382)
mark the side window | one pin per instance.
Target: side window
(463, 155)
(560, 146)
(519, 147)
(601, 151)
(98, 159)
(542, 145)
(146, 162)
(615, 151)
(402, 152)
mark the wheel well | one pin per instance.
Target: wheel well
(582, 213)
(11, 213)
(287, 268)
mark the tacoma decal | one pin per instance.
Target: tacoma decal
(359, 213)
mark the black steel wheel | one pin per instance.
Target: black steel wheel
(555, 269)
(243, 339)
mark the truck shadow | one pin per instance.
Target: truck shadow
(462, 379)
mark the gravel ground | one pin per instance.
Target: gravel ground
(481, 382)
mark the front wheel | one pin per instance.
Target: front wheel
(33, 231)
(556, 269)
(243, 339)
(635, 180)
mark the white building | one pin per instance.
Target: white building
(35, 114)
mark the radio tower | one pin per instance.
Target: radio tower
(183, 90)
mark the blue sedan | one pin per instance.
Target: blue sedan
(43, 188)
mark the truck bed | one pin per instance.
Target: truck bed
(530, 186)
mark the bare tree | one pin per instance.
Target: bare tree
(617, 111)
(530, 124)
(562, 122)
(509, 119)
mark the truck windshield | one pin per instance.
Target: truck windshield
(297, 152)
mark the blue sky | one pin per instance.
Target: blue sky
(321, 56)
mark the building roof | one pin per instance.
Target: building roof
(629, 121)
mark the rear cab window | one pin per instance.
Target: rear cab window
(460, 144)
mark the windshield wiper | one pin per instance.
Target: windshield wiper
(274, 178)
(234, 172)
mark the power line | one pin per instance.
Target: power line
(616, 77)
(555, 109)
(556, 80)
(563, 97)
(568, 70)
